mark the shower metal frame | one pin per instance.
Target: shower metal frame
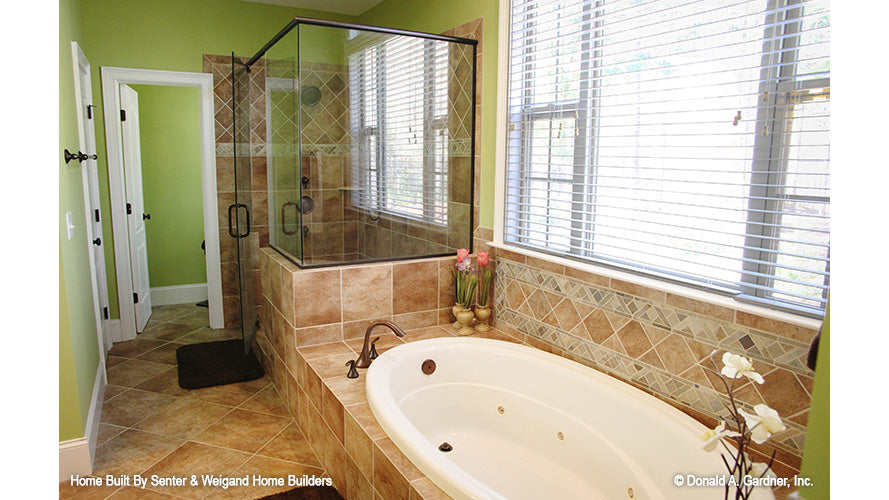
(296, 22)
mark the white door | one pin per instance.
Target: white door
(136, 217)
(86, 114)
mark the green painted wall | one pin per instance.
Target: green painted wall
(170, 140)
(816, 459)
(78, 344)
(437, 17)
(170, 35)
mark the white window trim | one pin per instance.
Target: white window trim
(653, 283)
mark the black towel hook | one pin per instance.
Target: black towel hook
(79, 156)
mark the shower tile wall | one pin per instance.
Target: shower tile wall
(332, 226)
(220, 68)
(461, 102)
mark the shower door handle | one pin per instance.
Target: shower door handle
(231, 229)
(283, 223)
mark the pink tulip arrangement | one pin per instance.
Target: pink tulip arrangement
(465, 278)
(484, 278)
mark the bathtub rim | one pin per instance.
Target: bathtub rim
(408, 439)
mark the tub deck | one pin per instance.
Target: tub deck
(333, 412)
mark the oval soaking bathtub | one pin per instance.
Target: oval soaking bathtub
(523, 423)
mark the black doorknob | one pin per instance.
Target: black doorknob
(146, 216)
(97, 242)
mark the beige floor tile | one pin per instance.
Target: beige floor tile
(167, 382)
(69, 492)
(167, 331)
(243, 430)
(168, 314)
(231, 394)
(106, 432)
(132, 493)
(166, 353)
(195, 318)
(291, 445)
(183, 418)
(134, 348)
(267, 468)
(134, 371)
(266, 401)
(114, 390)
(207, 334)
(195, 459)
(132, 452)
(132, 406)
(147, 419)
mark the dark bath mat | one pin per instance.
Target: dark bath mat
(216, 363)
(306, 493)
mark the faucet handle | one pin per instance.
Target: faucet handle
(353, 373)
(373, 349)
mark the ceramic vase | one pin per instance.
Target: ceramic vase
(482, 313)
(464, 318)
(456, 309)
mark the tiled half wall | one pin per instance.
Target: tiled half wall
(319, 306)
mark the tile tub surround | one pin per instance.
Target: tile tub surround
(339, 424)
(659, 342)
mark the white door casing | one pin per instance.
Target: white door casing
(112, 78)
(86, 112)
(132, 168)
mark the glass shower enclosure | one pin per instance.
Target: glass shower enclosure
(366, 136)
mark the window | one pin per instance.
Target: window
(399, 111)
(686, 139)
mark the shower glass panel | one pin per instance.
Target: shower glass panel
(282, 125)
(240, 213)
(369, 136)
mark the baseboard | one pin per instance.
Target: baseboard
(74, 459)
(178, 294)
(76, 455)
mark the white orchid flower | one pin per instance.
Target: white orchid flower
(762, 425)
(712, 437)
(738, 366)
(761, 469)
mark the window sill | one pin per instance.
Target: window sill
(668, 288)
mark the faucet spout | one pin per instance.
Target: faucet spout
(364, 358)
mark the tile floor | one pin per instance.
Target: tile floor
(151, 426)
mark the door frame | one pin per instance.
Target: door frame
(112, 78)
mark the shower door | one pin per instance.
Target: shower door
(240, 213)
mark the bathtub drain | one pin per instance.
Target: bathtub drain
(630, 493)
(445, 447)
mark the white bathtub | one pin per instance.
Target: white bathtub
(527, 424)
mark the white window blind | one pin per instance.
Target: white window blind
(399, 107)
(688, 139)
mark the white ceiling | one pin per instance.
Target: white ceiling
(350, 7)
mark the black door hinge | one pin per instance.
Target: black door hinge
(97, 215)
(135, 298)
(89, 111)
(129, 209)
(123, 115)
(105, 312)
